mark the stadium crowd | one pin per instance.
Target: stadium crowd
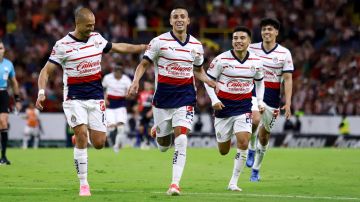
(323, 36)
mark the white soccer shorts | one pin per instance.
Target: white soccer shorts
(166, 119)
(115, 116)
(225, 128)
(89, 112)
(33, 131)
(267, 118)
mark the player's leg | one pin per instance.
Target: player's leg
(26, 137)
(163, 127)
(182, 123)
(77, 117)
(36, 134)
(242, 129)
(120, 137)
(253, 138)
(121, 119)
(224, 133)
(4, 123)
(111, 125)
(268, 119)
(4, 117)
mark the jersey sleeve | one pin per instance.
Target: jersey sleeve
(259, 75)
(199, 57)
(288, 63)
(215, 69)
(57, 54)
(12, 70)
(105, 82)
(104, 44)
(153, 50)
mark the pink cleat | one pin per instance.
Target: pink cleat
(174, 190)
(84, 190)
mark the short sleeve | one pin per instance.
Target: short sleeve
(57, 54)
(105, 82)
(215, 68)
(104, 44)
(12, 71)
(259, 75)
(199, 57)
(288, 63)
(153, 50)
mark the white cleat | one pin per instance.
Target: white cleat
(233, 187)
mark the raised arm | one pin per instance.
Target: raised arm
(140, 70)
(128, 48)
(48, 69)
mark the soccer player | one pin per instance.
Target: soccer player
(278, 68)
(79, 54)
(7, 73)
(177, 57)
(32, 127)
(235, 72)
(116, 84)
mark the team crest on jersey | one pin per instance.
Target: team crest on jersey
(96, 44)
(252, 69)
(193, 53)
(275, 60)
(73, 118)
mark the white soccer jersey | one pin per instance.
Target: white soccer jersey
(276, 62)
(174, 62)
(80, 61)
(235, 80)
(116, 89)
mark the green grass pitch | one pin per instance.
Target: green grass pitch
(144, 175)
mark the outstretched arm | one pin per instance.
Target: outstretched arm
(140, 70)
(288, 93)
(128, 48)
(48, 69)
(199, 73)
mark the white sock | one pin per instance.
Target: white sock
(36, 142)
(120, 136)
(259, 155)
(81, 165)
(179, 159)
(239, 163)
(25, 141)
(252, 142)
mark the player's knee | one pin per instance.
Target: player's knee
(255, 121)
(164, 141)
(99, 142)
(163, 148)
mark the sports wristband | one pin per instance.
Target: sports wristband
(41, 92)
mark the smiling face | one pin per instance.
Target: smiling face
(240, 41)
(85, 23)
(179, 19)
(269, 33)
